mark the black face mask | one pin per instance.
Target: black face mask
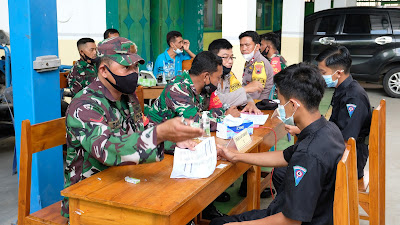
(124, 84)
(225, 71)
(265, 53)
(209, 88)
(92, 61)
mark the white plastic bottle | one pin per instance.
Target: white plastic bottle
(205, 122)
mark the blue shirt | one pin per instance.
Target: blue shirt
(164, 57)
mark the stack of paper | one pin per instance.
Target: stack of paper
(257, 119)
(200, 163)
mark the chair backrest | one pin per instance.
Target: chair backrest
(140, 96)
(377, 160)
(63, 79)
(187, 64)
(345, 206)
(382, 160)
(35, 138)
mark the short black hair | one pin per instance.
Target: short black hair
(302, 81)
(110, 31)
(336, 57)
(219, 44)
(172, 35)
(83, 41)
(205, 61)
(273, 38)
(254, 36)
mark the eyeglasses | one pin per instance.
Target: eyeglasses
(227, 58)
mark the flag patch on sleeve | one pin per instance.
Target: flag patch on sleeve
(299, 173)
(350, 109)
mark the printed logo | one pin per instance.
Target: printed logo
(299, 173)
(350, 109)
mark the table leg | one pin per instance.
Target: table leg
(253, 187)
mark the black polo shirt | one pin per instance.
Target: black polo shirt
(309, 183)
(351, 110)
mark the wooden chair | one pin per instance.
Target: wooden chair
(63, 80)
(34, 139)
(140, 96)
(187, 64)
(345, 205)
(373, 200)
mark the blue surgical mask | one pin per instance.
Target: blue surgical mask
(282, 114)
(328, 80)
(178, 51)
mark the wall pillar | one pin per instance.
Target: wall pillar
(292, 31)
(320, 5)
(344, 3)
(33, 33)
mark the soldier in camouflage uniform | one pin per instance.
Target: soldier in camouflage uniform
(84, 71)
(105, 124)
(188, 95)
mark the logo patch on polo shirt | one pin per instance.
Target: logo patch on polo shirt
(350, 109)
(299, 173)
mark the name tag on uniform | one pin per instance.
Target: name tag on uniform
(114, 124)
(242, 139)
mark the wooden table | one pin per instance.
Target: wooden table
(105, 198)
(152, 92)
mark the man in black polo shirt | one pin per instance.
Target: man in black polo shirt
(351, 109)
(309, 183)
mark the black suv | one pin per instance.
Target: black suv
(372, 36)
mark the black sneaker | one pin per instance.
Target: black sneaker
(224, 197)
(211, 212)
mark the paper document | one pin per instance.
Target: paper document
(257, 119)
(200, 163)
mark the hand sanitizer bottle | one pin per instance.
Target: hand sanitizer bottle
(205, 122)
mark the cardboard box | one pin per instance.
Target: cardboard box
(227, 132)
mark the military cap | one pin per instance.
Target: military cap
(121, 50)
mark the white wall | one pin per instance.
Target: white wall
(237, 16)
(75, 19)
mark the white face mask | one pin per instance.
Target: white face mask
(178, 51)
(249, 56)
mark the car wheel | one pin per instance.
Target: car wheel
(391, 82)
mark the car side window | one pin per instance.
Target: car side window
(366, 24)
(328, 25)
(309, 27)
(395, 19)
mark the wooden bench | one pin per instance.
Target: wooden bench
(36, 138)
(373, 200)
(345, 206)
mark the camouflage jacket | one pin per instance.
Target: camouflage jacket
(81, 75)
(103, 132)
(179, 98)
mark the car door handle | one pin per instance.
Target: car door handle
(327, 40)
(383, 40)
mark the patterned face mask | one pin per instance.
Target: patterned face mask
(124, 84)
